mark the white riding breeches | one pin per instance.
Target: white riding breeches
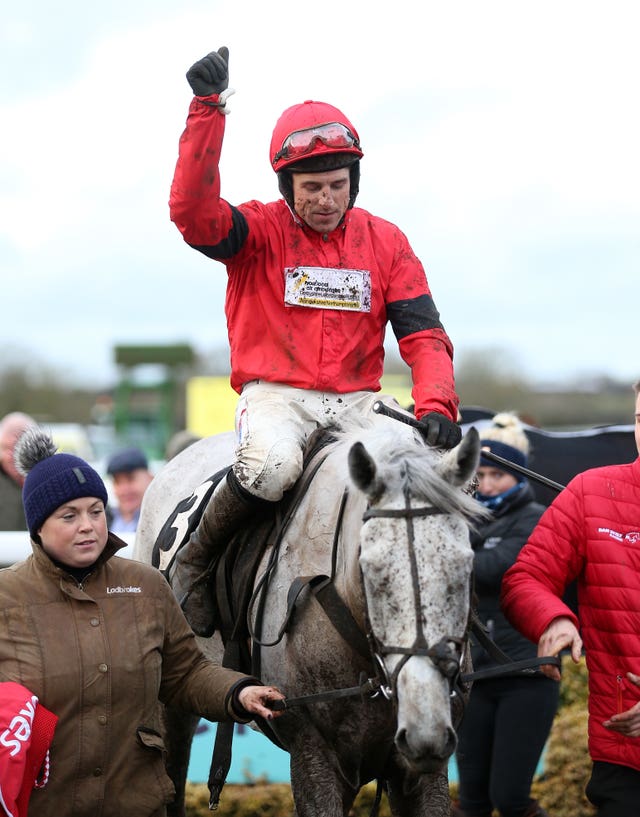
(273, 423)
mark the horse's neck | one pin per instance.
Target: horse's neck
(324, 534)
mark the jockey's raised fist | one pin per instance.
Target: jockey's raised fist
(210, 75)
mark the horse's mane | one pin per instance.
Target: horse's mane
(403, 458)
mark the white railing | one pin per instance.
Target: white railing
(15, 546)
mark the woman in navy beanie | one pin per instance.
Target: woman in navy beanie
(52, 479)
(101, 641)
(507, 720)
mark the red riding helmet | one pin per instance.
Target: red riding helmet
(311, 129)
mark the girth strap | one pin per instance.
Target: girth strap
(220, 762)
(221, 757)
(222, 747)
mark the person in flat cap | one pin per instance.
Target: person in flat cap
(101, 641)
(130, 475)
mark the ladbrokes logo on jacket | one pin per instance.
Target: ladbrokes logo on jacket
(127, 588)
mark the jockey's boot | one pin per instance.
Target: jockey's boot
(194, 565)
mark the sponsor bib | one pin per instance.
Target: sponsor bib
(326, 288)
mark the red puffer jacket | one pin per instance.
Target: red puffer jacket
(325, 344)
(590, 532)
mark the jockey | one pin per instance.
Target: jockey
(312, 282)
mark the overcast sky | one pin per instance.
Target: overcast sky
(502, 137)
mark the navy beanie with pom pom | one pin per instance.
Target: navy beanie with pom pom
(507, 452)
(52, 479)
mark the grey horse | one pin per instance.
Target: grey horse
(386, 520)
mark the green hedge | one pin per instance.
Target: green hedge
(560, 789)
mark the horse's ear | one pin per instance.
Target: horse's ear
(459, 465)
(362, 468)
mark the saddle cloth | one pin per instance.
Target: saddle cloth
(235, 571)
(181, 523)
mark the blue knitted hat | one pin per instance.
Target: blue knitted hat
(51, 479)
(507, 452)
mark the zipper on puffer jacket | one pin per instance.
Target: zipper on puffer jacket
(619, 704)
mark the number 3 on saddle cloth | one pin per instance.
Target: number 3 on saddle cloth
(232, 577)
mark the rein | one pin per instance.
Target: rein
(399, 513)
(506, 666)
(370, 687)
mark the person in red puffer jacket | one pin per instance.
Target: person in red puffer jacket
(591, 532)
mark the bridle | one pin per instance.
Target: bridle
(446, 654)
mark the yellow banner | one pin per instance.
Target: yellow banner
(211, 402)
(211, 405)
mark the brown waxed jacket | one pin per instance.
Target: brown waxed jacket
(101, 656)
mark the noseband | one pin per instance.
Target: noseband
(446, 654)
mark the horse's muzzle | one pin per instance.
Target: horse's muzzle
(425, 758)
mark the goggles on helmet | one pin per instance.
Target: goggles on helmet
(302, 142)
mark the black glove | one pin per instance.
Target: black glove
(439, 431)
(210, 75)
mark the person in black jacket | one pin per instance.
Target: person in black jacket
(507, 719)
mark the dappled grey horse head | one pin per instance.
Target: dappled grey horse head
(416, 563)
